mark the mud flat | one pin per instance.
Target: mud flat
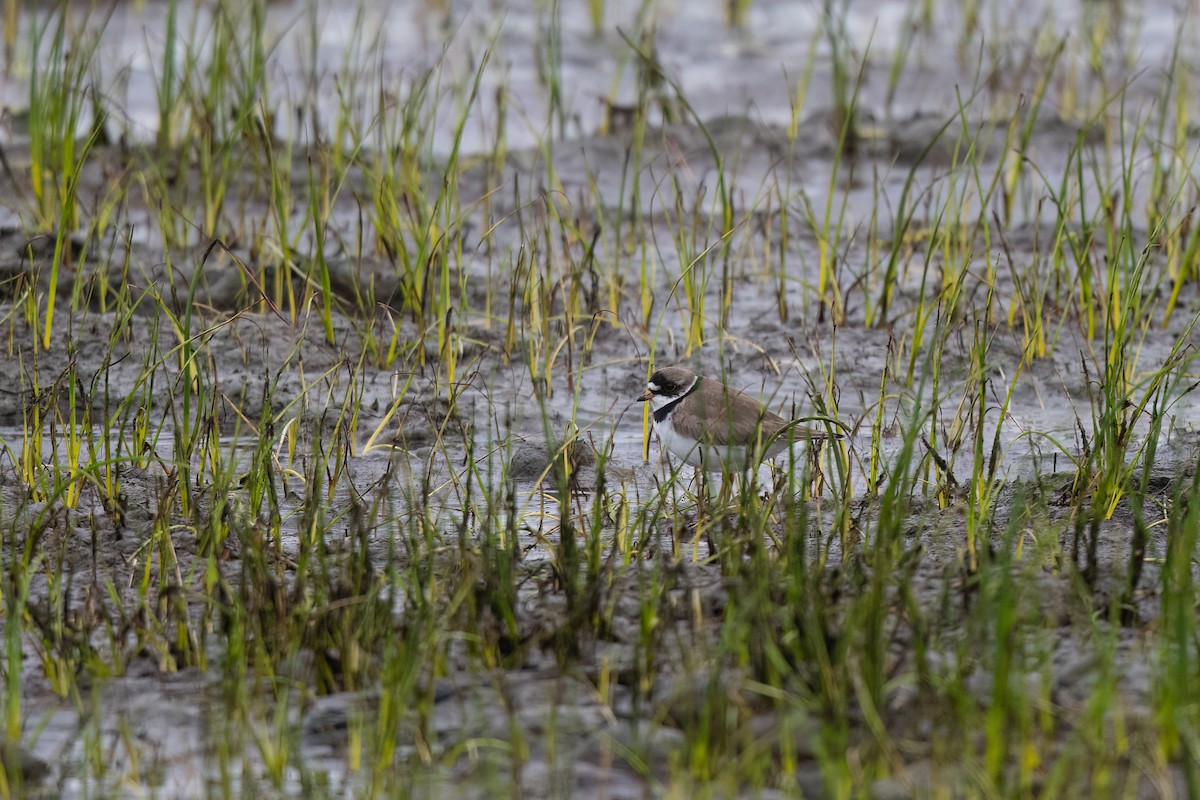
(320, 468)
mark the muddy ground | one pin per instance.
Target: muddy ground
(159, 727)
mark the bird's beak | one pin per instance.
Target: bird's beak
(646, 396)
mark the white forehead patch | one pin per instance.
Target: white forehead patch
(652, 386)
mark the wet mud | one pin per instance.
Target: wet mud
(606, 719)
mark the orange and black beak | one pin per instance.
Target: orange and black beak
(646, 397)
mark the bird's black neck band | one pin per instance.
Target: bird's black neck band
(661, 413)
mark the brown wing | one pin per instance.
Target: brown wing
(737, 418)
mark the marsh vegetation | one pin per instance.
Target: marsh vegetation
(322, 326)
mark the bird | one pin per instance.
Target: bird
(713, 427)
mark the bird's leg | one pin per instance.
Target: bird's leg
(816, 478)
(720, 508)
(701, 511)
